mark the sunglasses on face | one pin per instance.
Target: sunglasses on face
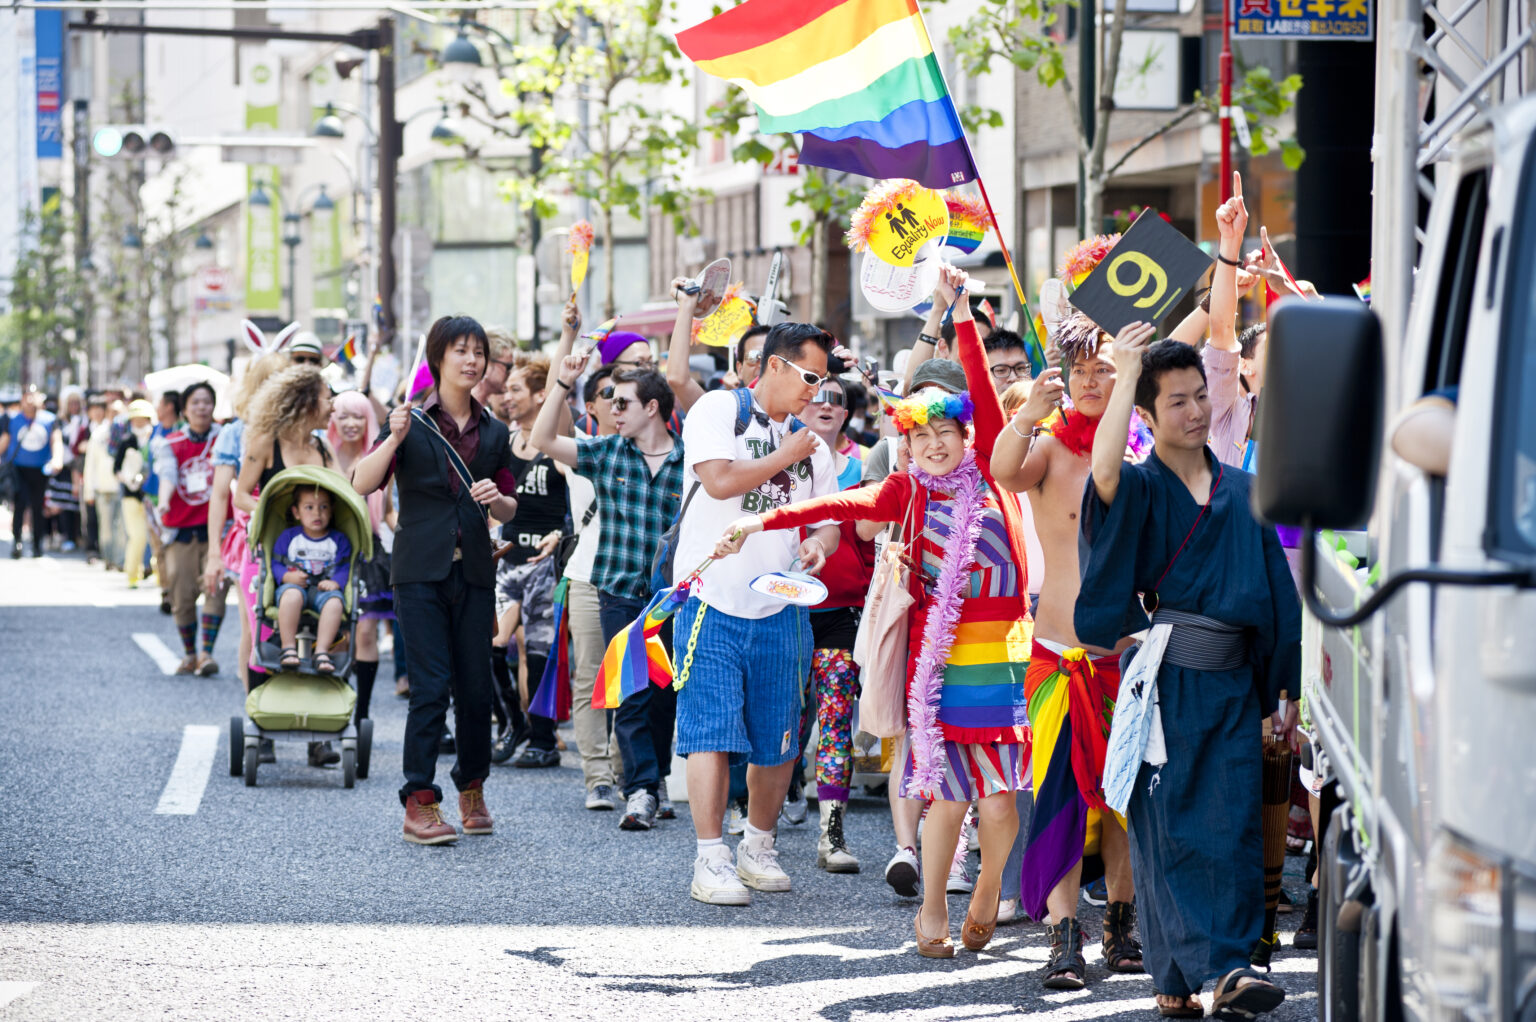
(1011, 371)
(644, 362)
(830, 396)
(306, 360)
(811, 379)
(621, 403)
(606, 393)
(753, 357)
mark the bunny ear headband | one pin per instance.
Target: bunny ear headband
(256, 340)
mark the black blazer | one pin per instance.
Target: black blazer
(432, 518)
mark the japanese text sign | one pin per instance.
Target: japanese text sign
(1143, 277)
(1316, 20)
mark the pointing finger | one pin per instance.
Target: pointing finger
(1237, 185)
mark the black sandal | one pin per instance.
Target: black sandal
(290, 659)
(323, 664)
(1243, 1004)
(1067, 969)
(1122, 951)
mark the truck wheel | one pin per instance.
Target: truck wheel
(1338, 952)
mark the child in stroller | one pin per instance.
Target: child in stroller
(312, 561)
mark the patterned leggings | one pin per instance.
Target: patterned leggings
(834, 682)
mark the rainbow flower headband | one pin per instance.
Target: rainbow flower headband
(920, 408)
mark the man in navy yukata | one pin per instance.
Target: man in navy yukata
(1177, 530)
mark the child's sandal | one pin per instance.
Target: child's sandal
(323, 664)
(290, 660)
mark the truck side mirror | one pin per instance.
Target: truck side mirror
(1320, 420)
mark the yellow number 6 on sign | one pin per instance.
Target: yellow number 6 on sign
(1150, 272)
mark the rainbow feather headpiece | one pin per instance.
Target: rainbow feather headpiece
(1084, 257)
(931, 403)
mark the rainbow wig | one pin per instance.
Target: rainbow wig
(931, 403)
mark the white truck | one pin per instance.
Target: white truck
(1419, 666)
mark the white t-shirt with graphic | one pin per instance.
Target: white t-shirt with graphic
(709, 434)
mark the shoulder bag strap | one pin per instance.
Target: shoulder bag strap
(456, 461)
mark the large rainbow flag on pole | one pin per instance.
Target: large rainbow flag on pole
(858, 78)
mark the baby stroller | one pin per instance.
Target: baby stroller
(299, 704)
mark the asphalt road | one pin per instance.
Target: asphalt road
(298, 899)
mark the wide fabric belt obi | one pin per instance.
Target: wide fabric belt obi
(1200, 643)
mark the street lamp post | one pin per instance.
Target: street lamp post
(291, 239)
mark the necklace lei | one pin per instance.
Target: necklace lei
(964, 484)
(1076, 432)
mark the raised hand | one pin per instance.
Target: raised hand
(1232, 218)
(572, 365)
(400, 422)
(572, 317)
(1044, 395)
(1130, 343)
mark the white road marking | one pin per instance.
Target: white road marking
(184, 791)
(12, 989)
(158, 651)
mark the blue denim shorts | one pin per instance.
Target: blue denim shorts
(744, 685)
(314, 596)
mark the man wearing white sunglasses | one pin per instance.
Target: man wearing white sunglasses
(743, 657)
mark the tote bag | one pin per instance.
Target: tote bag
(881, 644)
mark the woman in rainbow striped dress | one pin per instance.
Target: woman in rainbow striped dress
(970, 628)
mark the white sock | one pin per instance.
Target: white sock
(707, 843)
(759, 836)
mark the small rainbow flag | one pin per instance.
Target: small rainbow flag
(858, 78)
(348, 351)
(553, 698)
(637, 654)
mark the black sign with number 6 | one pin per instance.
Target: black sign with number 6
(1144, 276)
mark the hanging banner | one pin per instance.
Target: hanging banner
(325, 257)
(1313, 20)
(50, 84)
(263, 234)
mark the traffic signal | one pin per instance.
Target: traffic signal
(133, 142)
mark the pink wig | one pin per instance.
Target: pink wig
(352, 402)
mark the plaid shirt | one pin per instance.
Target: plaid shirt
(636, 508)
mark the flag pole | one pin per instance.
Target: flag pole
(997, 227)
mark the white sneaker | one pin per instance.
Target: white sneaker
(1007, 911)
(736, 820)
(757, 864)
(715, 881)
(903, 872)
(960, 879)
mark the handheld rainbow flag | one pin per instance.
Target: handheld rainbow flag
(553, 698)
(636, 654)
(858, 78)
(348, 351)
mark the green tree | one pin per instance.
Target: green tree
(1025, 34)
(826, 198)
(45, 288)
(581, 81)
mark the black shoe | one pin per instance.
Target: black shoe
(1306, 933)
(1066, 969)
(323, 754)
(165, 604)
(506, 745)
(15, 551)
(537, 759)
(445, 745)
(1264, 951)
(265, 753)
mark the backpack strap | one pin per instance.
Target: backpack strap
(457, 462)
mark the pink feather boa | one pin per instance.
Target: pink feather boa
(964, 484)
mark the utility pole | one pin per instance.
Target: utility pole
(379, 39)
(1087, 102)
(1226, 100)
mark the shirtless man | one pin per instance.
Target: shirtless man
(1052, 466)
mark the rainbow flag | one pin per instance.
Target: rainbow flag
(637, 654)
(858, 78)
(553, 698)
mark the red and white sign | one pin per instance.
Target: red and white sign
(785, 164)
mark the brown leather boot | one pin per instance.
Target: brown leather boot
(424, 823)
(472, 811)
